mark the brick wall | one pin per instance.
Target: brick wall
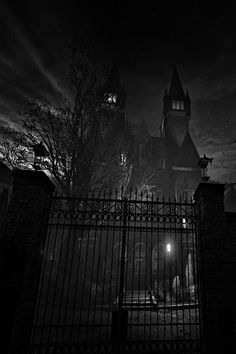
(230, 227)
(21, 254)
(214, 277)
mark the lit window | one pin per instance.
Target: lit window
(178, 105)
(168, 247)
(123, 159)
(110, 97)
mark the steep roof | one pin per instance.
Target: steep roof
(176, 90)
(187, 155)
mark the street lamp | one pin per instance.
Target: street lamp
(40, 152)
(203, 163)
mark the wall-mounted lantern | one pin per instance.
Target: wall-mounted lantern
(204, 163)
(40, 153)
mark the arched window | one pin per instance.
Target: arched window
(155, 259)
(117, 250)
(140, 257)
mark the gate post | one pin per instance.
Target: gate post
(213, 278)
(21, 247)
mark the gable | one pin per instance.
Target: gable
(187, 155)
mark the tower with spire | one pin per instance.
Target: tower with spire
(176, 111)
(169, 163)
(113, 108)
(171, 160)
(113, 91)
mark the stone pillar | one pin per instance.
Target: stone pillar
(21, 249)
(213, 277)
(230, 221)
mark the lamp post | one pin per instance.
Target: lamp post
(203, 163)
(40, 152)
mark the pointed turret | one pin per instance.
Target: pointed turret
(113, 91)
(176, 112)
(113, 114)
(176, 90)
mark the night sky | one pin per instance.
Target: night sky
(146, 40)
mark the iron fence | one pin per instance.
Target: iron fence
(119, 275)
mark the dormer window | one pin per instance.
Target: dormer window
(110, 97)
(178, 105)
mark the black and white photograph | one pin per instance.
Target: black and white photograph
(118, 176)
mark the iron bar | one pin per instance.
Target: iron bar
(123, 252)
(132, 255)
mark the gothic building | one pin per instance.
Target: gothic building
(166, 165)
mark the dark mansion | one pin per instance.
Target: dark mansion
(166, 165)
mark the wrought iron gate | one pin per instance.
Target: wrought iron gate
(119, 275)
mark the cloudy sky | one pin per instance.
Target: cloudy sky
(146, 39)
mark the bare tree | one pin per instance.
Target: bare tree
(79, 158)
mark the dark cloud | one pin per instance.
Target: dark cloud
(147, 39)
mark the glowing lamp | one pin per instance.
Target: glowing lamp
(203, 163)
(168, 247)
